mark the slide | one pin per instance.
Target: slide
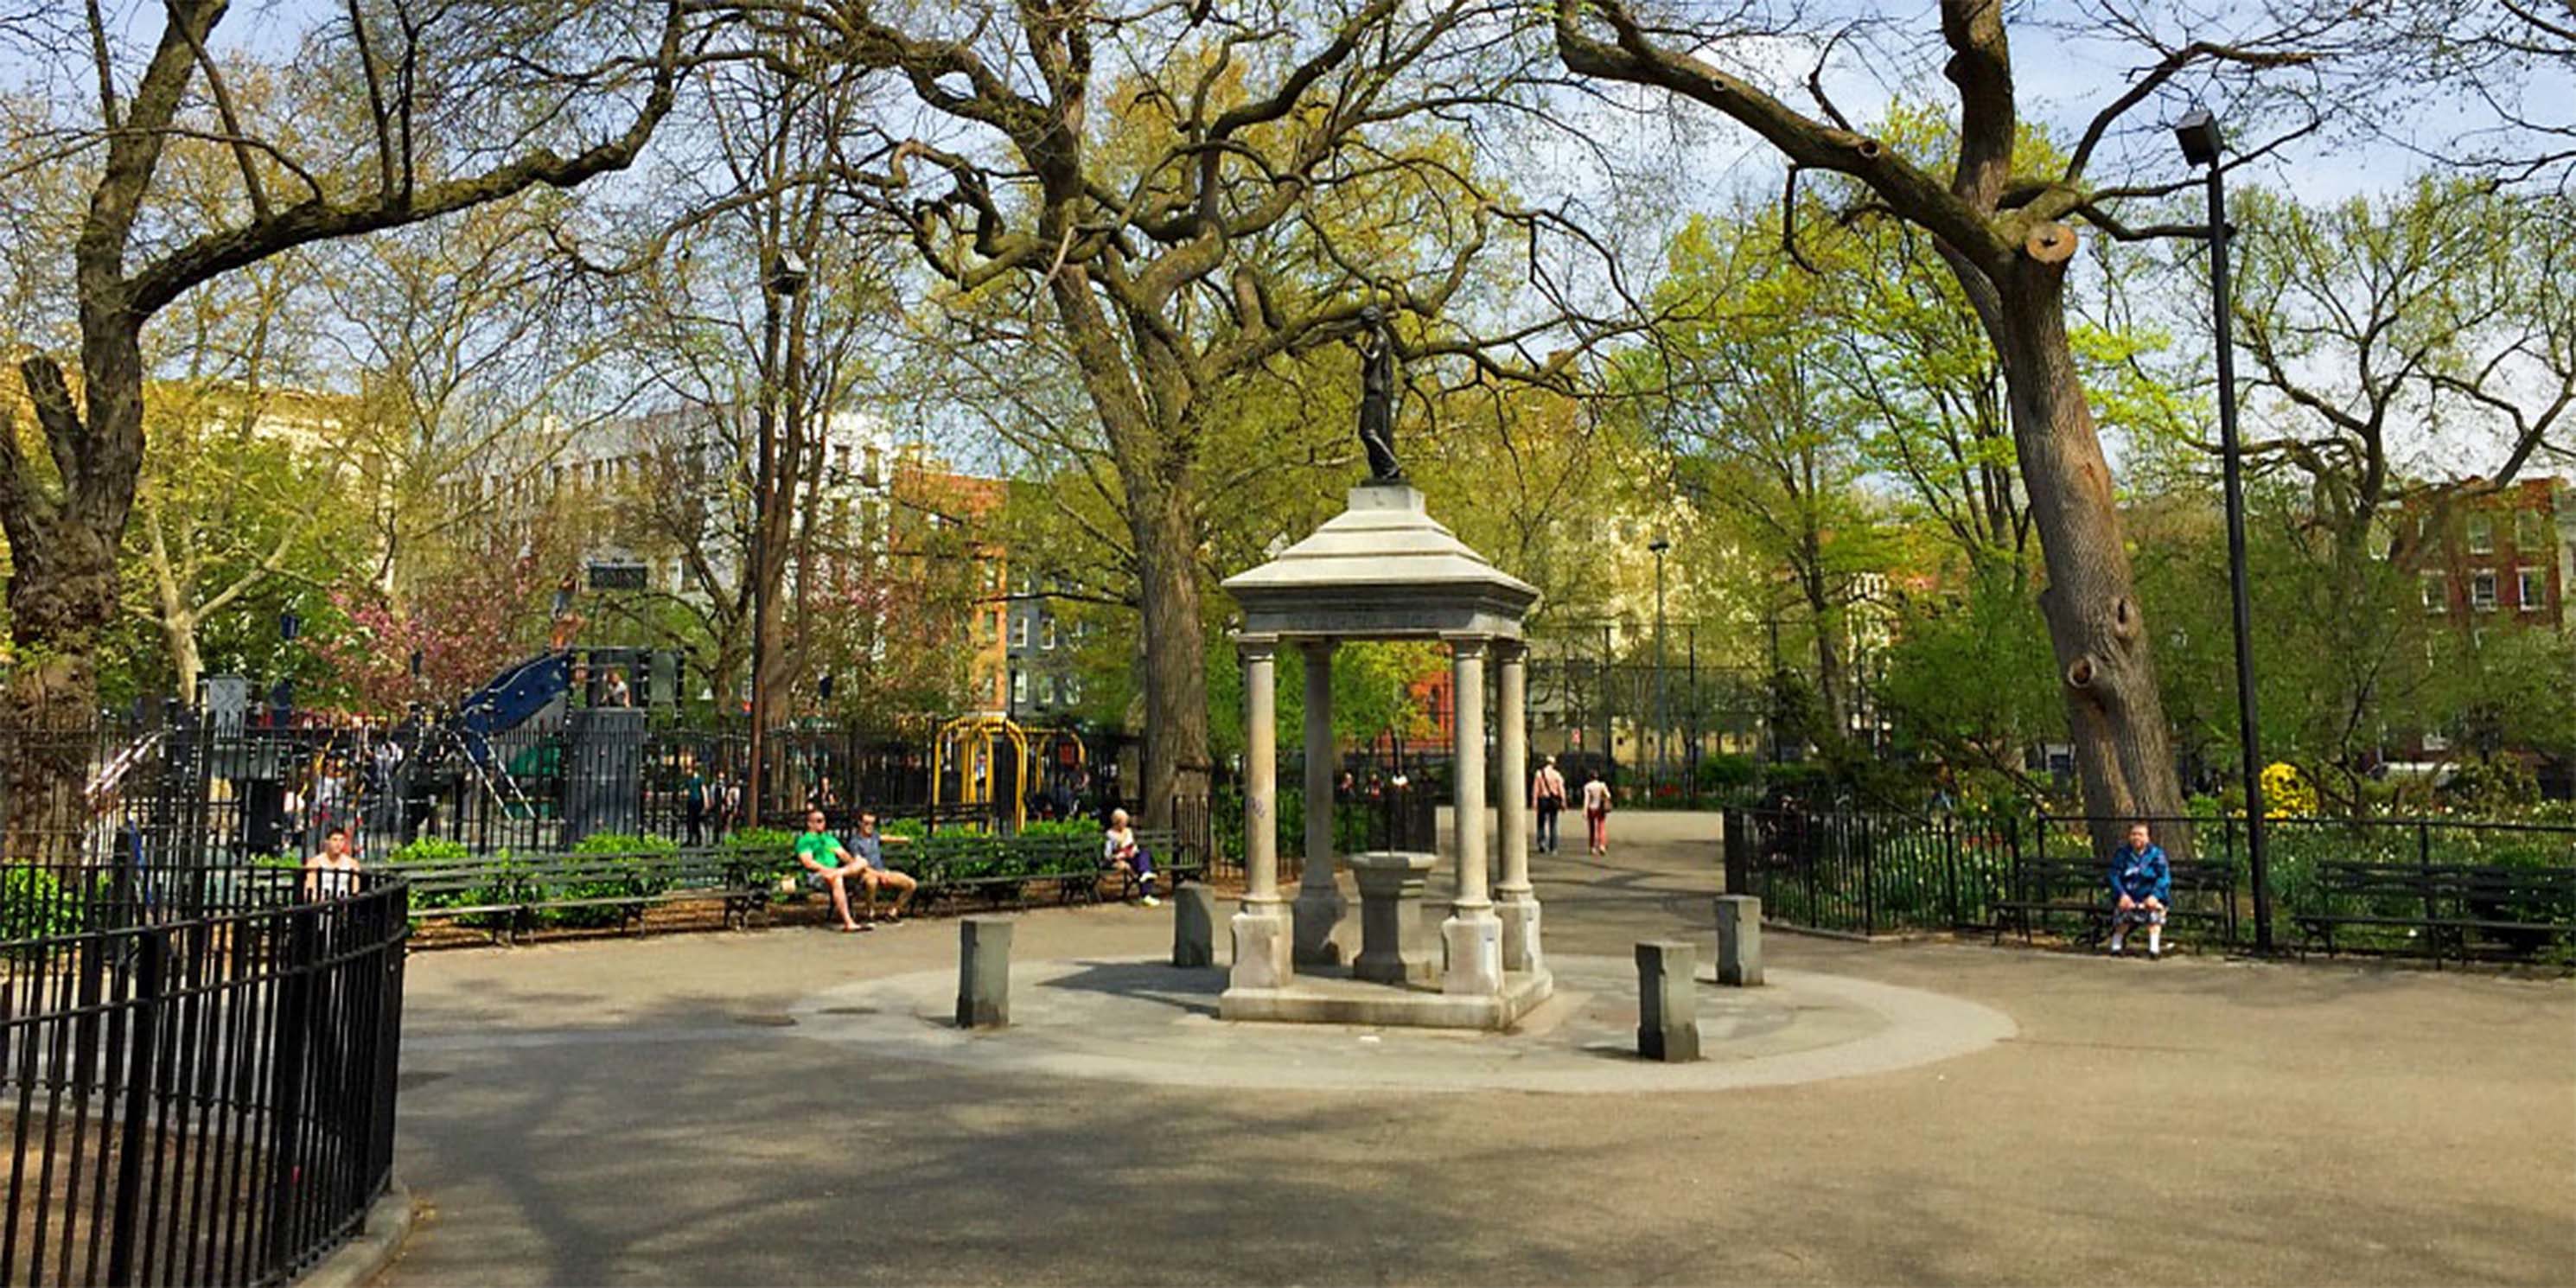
(513, 696)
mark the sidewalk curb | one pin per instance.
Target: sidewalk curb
(366, 1255)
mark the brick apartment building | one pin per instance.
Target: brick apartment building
(2507, 558)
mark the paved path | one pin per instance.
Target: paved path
(653, 1112)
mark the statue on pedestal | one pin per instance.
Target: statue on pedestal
(1377, 397)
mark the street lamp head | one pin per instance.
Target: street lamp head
(787, 273)
(1659, 544)
(2197, 132)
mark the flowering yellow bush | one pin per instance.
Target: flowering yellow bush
(2287, 793)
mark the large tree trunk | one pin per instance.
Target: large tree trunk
(62, 573)
(1830, 687)
(1177, 763)
(2106, 666)
(1162, 520)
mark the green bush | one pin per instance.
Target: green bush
(430, 849)
(33, 906)
(767, 853)
(623, 846)
(1726, 773)
(1072, 827)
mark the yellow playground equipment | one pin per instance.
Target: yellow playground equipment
(1061, 760)
(988, 755)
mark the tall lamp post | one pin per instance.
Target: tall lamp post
(1659, 545)
(2201, 145)
(281, 697)
(786, 277)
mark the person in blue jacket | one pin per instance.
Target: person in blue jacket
(2142, 882)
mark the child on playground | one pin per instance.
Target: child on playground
(1120, 852)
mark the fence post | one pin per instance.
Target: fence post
(2012, 855)
(1807, 858)
(2424, 879)
(142, 1069)
(1948, 826)
(1868, 878)
(2227, 843)
(290, 1031)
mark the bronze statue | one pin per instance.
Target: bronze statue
(1377, 397)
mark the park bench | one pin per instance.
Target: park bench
(2458, 907)
(1173, 862)
(505, 895)
(2040, 888)
(1004, 869)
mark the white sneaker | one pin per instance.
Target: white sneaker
(1151, 902)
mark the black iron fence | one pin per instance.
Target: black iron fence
(189, 787)
(197, 1065)
(1373, 816)
(2413, 887)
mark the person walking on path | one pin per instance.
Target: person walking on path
(1547, 800)
(1596, 812)
(2141, 885)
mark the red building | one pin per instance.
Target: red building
(2505, 557)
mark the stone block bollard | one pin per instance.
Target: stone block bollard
(1739, 940)
(1667, 1001)
(983, 972)
(1194, 926)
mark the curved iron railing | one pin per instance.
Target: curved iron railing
(197, 1070)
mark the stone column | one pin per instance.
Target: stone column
(1473, 934)
(1739, 939)
(1262, 934)
(1514, 899)
(1319, 906)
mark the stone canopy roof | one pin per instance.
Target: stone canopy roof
(1381, 569)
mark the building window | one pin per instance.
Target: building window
(2481, 534)
(2531, 589)
(2437, 593)
(1072, 689)
(2528, 534)
(1019, 687)
(1020, 633)
(2482, 590)
(1046, 633)
(1054, 691)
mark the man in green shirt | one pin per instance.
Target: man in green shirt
(830, 864)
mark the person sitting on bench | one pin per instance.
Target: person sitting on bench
(1119, 850)
(829, 865)
(2142, 883)
(871, 851)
